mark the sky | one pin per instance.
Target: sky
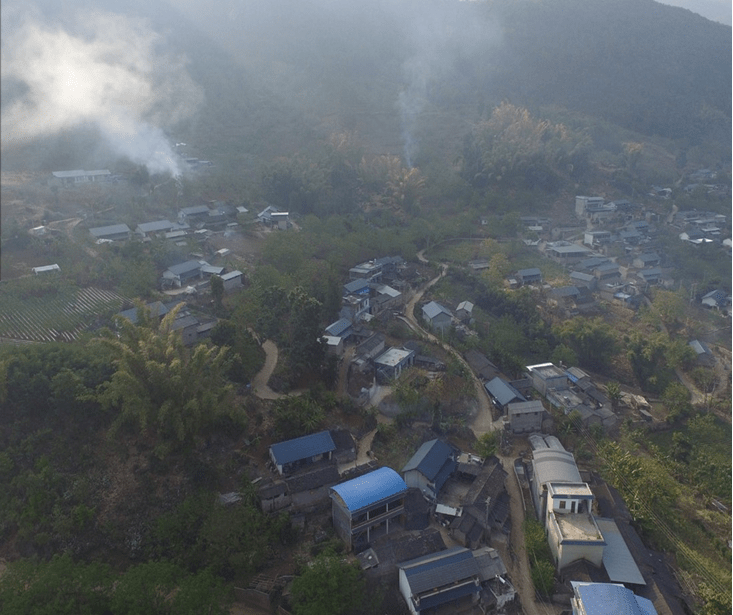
(714, 10)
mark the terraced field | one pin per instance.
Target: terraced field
(60, 316)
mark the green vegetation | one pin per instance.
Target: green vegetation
(328, 586)
(540, 557)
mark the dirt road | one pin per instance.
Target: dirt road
(259, 382)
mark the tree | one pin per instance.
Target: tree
(160, 386)
(328, 586)
(676, 400)
(591, 338)
(487, 444)
(613, 390)
(217, 292)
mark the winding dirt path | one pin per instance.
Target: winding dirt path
(259, 382)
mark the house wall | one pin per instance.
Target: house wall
(405, 591)
(441, 322)
(415, 478)
(525, 422)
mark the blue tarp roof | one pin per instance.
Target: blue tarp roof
(303, 447)
(503, 392)
(370, 488)
(610, 599)
(430, 458)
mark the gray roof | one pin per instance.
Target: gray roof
(433, 309)
(181, 268)
(114, 229)
(503, 392)
(565, 291)
(524, 407)
(555, 466)
(352, 287)
(526, 273)
(158, 225)
(617, 559)
(699, 347)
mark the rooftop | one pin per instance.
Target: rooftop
(578, 527)
(611, 599)
(303, 447)
(393, 357)
(369, 489)
(430, 458)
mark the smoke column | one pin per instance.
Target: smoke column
(112, 73)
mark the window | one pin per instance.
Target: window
(562, 504)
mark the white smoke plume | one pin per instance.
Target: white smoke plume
(109, 71)
(440, 34)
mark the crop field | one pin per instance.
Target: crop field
(51, 313)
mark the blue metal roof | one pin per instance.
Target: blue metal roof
(370, 488)
(610, 599)
(503, 392)
(430, 458)
(360, 286)
(303, 447)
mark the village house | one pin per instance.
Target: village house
(481, 365)
(502, 393)
(293, 454)
(584, 203)
(529, 276)
(196, 214)
(566, 252)
(716, 299)
(114, 232)
(464, 311)
(703, 354)
(596, 238)
(430, 467)
(546, 376)
(525, 416)
(158, 227)
(368, 507)
(446, 577)
(391, 363)
(46, 269)
(183, 273)
(607, 599)
(79, 177)
(437, 317)
(485, 505)
(232, 280)
(648, 260)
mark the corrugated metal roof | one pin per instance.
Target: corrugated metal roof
(551, 465)
(610, 599)
(617, 559)
(439, 569)
(370, 488)
(303, 447)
